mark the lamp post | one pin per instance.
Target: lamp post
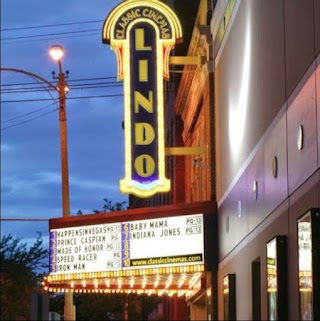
(56, 52)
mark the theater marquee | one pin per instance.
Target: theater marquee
(160, 250)
(142, 34)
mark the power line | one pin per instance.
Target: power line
(69, 81)
(27, 114)
(69, 98)
(29, 87)
(25, 219)
(49, 26)
(50, 34)
(42, 39)
(29, 120)
(45, 114)
(76, 84)
(96, 78)
(72, 87)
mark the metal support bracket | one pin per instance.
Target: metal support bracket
(188, 60)
(181, 151)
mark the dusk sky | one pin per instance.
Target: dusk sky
(30, 132)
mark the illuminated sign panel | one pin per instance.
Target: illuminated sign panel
(144, 117)
(142, 34)
(170, 241)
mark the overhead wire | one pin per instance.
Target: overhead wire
(71, 80)
(29, 120)
(49, 36)
(52, 25)
(69, 98)
(30, 87)
(39, 37)
(43, 39)
(24, 90)
(29, 113)
(86, 85)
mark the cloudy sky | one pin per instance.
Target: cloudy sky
(30, 136)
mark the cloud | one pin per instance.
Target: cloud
(30, 148)
(6, 148)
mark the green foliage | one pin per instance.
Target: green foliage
(109, 206)
(96, 306)
(12, 249)
(21, 271)
(93, 306)
(57, 303)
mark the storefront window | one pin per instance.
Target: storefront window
(308, 253)
(277, 278)
(272, 280)
(229, 297)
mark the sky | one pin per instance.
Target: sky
(30, 132)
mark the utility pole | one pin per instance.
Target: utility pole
(56, 53)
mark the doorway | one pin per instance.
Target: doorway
(256, 289)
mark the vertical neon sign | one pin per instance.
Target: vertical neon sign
(142, 34)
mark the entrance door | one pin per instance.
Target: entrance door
(256, 289)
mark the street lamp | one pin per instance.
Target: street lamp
(56, 52)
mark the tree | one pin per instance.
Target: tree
(109, 206)
(21, 270)
(95, 306)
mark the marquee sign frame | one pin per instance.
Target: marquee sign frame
(162, 278)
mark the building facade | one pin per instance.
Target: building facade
(254, 104)
(267, 125)
(249, 109)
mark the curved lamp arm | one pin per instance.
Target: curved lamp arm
(31, 75)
